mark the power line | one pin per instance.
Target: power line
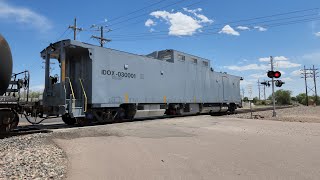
(250, 19)
(140, 21)
(135, 11)
(217, 32)
(62, 34)
(135, 17)
(217, 28)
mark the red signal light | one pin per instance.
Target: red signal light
(277, 74)
(274, 74)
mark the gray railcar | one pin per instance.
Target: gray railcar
(104, 84)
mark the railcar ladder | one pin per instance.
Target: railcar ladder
(76, 107)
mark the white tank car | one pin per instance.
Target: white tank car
(105, 85)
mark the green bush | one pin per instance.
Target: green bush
(282, 97)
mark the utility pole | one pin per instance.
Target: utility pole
(305, 73)
(101, 39)
(274, 114)
(315, 73)
(259, 89)
(75, 29)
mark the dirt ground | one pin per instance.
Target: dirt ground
(294, 114)
(197, 147)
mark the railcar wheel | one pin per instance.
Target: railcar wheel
(232, 108)
(9, 120)
(68, 120)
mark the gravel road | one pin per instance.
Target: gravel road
(196, 147)
(31, 157)
(296, 114)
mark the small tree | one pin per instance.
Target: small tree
(294, 99)
(283, 97)
(301, 98)
(245, 99)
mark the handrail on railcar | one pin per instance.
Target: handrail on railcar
(85, 96)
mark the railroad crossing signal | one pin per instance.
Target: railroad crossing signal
(274, 74)
(266, 83)
(279, 83)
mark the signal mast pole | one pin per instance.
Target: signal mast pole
(259, 89)
(264, 92)
(274, 114)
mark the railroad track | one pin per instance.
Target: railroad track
(25, 130)
(242, 111)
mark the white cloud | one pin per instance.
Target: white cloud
(203, 18)
(24, 16)
(317, 34)
(259, 28)
(265, 59)
(282, 72)
(182, 24)
(287, 79)
(243, 28)
(313, 57)
(280, 64)
(286, 64)
(247, 67)
(280, 58)
(258, 76)
(149, 23)
(296, 73)
(243, 61)
(229, 30)
(276, 58)
(192, 10)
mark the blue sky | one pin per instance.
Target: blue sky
(210, 29)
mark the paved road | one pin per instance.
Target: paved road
(199, 147)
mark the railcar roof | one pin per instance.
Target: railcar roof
(69, 42)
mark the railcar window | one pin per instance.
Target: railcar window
(194, 60)
(205, 63)
(181, 57)
(166, 57)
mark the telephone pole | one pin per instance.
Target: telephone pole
(315, 72)
(274, 114)
(306, 84)
(310, 73)
(259, 89)
(75, 29)
(101, 39)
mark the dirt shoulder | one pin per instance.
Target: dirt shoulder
(309, 114)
